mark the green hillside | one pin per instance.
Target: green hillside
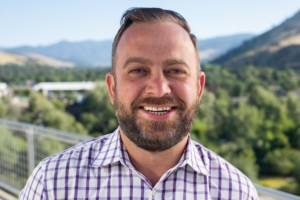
(278, 48)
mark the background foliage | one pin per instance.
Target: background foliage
(250, 116)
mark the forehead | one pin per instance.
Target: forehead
(159, 40)
(166, 31)
(159, 27)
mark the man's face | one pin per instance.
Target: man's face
(157, 86)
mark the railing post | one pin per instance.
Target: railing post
(30, 149)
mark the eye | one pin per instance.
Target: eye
(137, 71)
(176, 72)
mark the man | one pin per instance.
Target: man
(155, 86)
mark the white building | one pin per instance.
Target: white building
(3, 90)
(45, 87)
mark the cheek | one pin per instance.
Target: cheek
(186, 92)
(128, 91)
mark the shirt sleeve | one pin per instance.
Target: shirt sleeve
(254, 195)
(34, 188)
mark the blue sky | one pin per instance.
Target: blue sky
(36, 22)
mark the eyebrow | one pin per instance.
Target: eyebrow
(145, 61)
(140, 60)
(170, 62)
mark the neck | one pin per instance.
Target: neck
(153, 164)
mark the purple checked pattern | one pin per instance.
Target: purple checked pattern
(101, 169)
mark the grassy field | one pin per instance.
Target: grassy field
(281, 183)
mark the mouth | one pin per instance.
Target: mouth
(158, 110)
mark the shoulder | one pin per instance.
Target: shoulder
(84, 152)
(224, 176)
(65, 162)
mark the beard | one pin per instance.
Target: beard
(155, 135)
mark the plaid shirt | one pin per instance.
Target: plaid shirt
(101, 169)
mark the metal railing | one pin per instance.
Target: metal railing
(275, 194)
(23, 146)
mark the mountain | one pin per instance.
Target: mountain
(98, 53)
(82, 54)
(12, 58)
(278, 47)
(214, 47)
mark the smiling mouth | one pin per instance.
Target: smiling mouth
(157, 110)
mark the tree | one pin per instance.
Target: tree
(293, 111)
(97, 112)
(2, 109)
(12, 153)
(240, 155)
(287, 79)
(243, 122)
(275, 120)
(42, 112)
(204, 124)
(296, 171)
(278, 162)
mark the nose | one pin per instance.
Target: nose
(157, 85)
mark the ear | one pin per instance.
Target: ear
(110, 84)
(201, 84)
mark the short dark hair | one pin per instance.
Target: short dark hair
(149, 15)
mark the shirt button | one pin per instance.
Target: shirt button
(153, 192)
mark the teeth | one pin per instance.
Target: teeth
(158, 111)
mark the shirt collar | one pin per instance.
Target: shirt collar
(109, 151)
(195, 157)
(113, 151)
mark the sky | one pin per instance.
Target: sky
(36, 22)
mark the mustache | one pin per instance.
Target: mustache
(159, 101)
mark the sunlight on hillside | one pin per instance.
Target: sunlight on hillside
(6, 58)
(280, 183)
(44, 60)
(294, 40)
